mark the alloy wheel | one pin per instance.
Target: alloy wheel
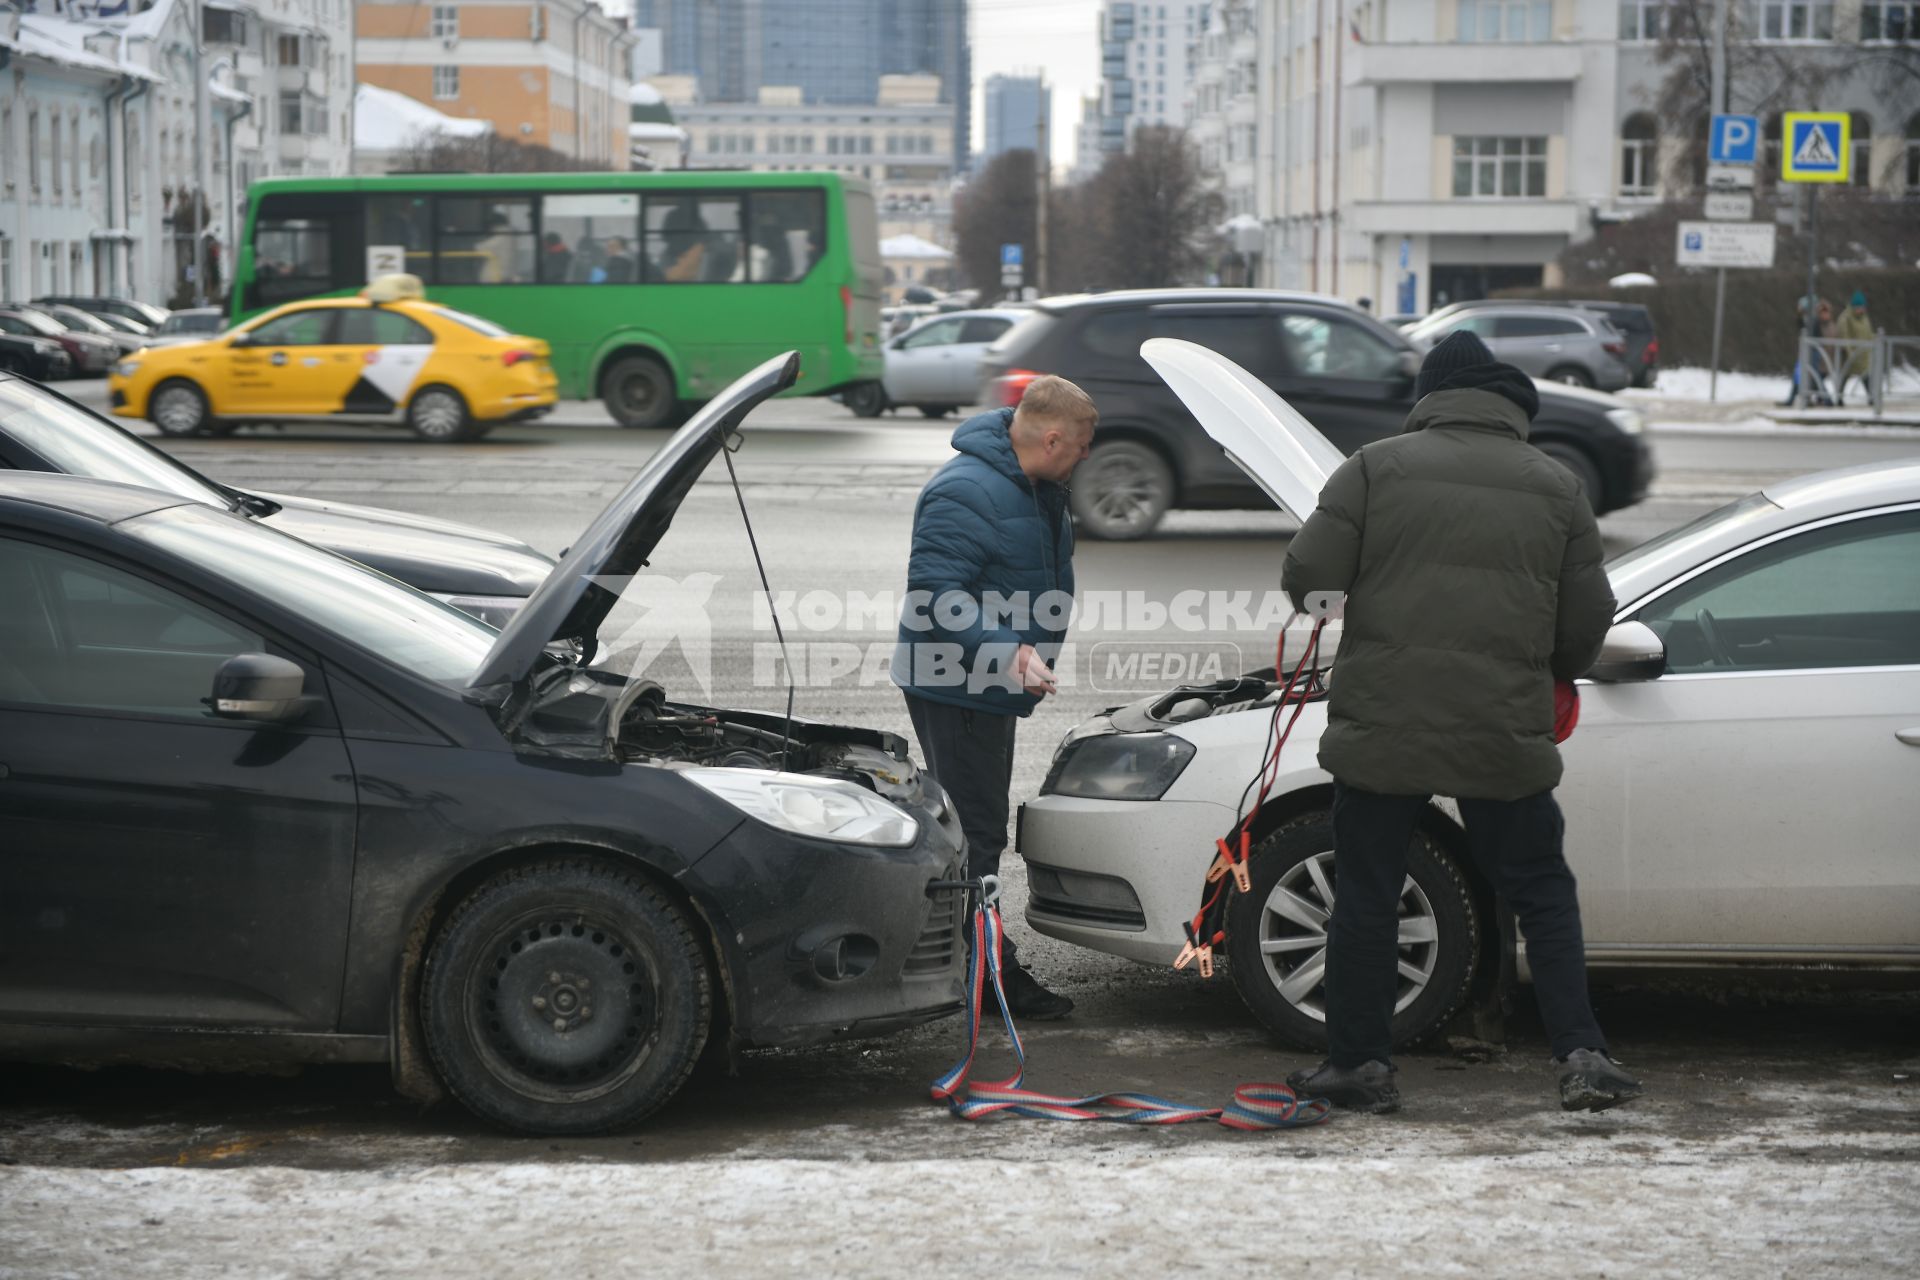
(438, 414)
(1293, 937)
(177, 411)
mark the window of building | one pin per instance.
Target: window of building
(539, 22)
(1503, 168)
(446, 21)
(73, 156)
(1486, 21)
(1891, 20)
(1644, 19)
(1639, 156)
(302, 114)
(446, 83)
(1913, 154)
(1860, 138)
(224, 26)
(1796, 20)
(53, 152)
(484, 240)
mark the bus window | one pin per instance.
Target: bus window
(692, 239)
(296, 251)
(406, 221)
(589, 238)
(485, 240)
(788, 234)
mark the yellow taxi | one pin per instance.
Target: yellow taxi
(387, 356)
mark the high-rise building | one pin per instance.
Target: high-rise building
(833, 51)
(1087, 155)
(1146, 64)
(1016, 108)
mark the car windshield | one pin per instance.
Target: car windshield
(148, 312)
(74, 441)
(40, 322)
(387, 619)
(81, 320)
(475, 323)
(181, 323)
(1754, 506)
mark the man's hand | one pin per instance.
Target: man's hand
(1035, 676)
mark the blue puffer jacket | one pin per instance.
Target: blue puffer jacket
(984, 534)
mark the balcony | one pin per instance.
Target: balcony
(1491, 63)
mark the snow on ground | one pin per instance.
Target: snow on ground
(1691, 384)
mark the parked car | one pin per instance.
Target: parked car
(483, 573)
(1560, 344)
(264, 804)
(1351, 375)
(123, 324)
(1633, 319)
(88, 354)
(28, 353)
(1735, 794)
(142, 312)
(934, 366)
(79, 321)
(190, 324)
(389, 356)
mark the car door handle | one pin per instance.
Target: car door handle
(1909, 736)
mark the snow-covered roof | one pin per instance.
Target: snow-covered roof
(384, 120)
(227, 94)
(654, 131)
(63, 42)
(912, 246)
(644, 95)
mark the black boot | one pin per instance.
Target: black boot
(1591, 1081)
(1368, 1087)
(1028, 999)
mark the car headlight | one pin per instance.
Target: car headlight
(823, 808)
(125, 368)
(1631, 421)
(492, 610)
(1119, 766)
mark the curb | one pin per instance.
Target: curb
(1766, 428)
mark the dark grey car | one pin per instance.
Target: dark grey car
(1560, 344)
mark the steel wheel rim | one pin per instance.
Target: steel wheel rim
(437, 414)
(563, 1008)
(639, 392)
(1125, 493)
(178, 410)
(1293, 937)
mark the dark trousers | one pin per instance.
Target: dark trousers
(1517, 846)
(970, 754)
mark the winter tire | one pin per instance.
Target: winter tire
(1121, 491)
(566, 997)
(1575, 460)
(639, 392)
(866, 399)
(1277, 935)
(438, 414)
(179, 408)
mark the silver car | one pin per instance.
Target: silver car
(935, 366)
(1559, 344)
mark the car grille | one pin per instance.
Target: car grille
(939, 941)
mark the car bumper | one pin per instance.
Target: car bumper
(1118, 876)
(825, 942)
(515, 406)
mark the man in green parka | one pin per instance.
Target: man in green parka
(1472, 573)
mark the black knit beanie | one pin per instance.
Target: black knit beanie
(1459, 350)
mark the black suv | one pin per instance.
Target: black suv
(1349, 374)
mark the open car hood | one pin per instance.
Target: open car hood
(1264, 435)
(569, 606)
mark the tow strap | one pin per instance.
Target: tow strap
(1254, 1108)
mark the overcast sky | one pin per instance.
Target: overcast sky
(1055, 37)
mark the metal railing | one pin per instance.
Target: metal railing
(1888, 363)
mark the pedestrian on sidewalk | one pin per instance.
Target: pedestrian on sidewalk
(1471, 568)
(1855, 326)
(989, 595)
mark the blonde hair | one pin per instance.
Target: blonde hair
(1053, 399)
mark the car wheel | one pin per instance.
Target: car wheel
(438, 414)
(639, 392)
(1277, 935)
(936, 410)
(866, 399)
(1121, 491)
(178, 408)
(1575, 459)
(1571, 375)
(566, 997)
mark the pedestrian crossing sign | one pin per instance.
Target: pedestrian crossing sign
(1818, 146)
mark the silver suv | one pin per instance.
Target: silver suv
(1560, 344)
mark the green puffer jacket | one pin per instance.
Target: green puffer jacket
(1473, 572)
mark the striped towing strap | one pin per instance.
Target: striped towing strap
(1254, 1108)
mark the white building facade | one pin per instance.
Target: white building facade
(1146, 64)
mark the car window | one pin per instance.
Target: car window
(1244, 337)
(983, 328)
(69, 439)
(377, 326)
(1318, 345)
(10, 325)
(473, 322)
(1536, 327)
(1847, 595)
(300, 329)
(1115, 335)
(938, 334)
(82, 634)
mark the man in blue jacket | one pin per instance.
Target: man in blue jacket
(989, 596)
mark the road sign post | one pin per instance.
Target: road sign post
(1816, 147)
(1733, 144)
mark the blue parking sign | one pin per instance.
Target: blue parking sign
(1009, 255)
(1733, 140)
(1694, 241)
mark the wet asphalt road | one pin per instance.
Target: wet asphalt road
(1756, 1084)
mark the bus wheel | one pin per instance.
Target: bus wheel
(638, 391)
(866, 399)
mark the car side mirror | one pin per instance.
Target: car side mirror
(259, 687)
(1630, 652)
(240, 340)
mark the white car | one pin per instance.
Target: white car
(1741, 790)
(935, 366)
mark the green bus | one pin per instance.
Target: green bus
(654, 290)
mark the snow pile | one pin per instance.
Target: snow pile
(644, 95)
(1632, 280)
